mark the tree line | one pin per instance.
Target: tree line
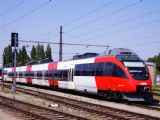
(37, 53)
(156, 59)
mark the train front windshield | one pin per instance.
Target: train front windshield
(135, 66)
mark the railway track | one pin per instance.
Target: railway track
(35, 112)
(98, 110)
(157, 90)
(150, 107)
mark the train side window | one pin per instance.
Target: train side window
(91, 69)
(60, 76)
(47, 74)
(26, 74)
(20, 74)
(118, 72)
(78, 70)
(23, 74)
(32, 74)
(11, 74)
(99, 69)
(85, 70)
(108, 69)
(5, 72)
(52, 74)
(39, 74)
(56, 74)
(65, 74)
(17, 74)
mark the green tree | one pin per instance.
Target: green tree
(48, 52)
(4, 56)
(33, 53)
(40, 52)
(19, 56)
(7, 55)
(23, 56)
(156, 59)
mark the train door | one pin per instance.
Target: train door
(70, 75)
(70, 79)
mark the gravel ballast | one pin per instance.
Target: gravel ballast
(45, 103)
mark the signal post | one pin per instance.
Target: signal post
(14, 44)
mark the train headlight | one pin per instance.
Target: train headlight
(146, 89)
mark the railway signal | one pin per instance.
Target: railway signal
(14, 39)
(14, 43)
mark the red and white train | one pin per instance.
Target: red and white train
(120, 74)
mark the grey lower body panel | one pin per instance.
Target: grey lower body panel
(141, 97)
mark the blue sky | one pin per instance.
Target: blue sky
(132, 24)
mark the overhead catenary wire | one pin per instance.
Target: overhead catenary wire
(139, 38)
(87, 45)
(12, 8)
(122, 21)
(114, 24)
(104, 16)
(48, 33)
(28, 51)
(31, 11)
(149, 50)
(89, 13)
(122, 30)
(145, 43)
(140, 44)
(79, 18)
(68, 53)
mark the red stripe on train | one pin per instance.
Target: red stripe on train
(53, 66)
(29, 80)
(53, 83)
(56, 83)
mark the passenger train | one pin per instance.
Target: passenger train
(118, 74)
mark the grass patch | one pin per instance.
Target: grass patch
(4, 90)
(156, 97)
(156, 86)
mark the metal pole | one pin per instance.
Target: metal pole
(2, 71)
(60, 45)
(15, 55)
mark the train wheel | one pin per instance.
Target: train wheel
(110, 95)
